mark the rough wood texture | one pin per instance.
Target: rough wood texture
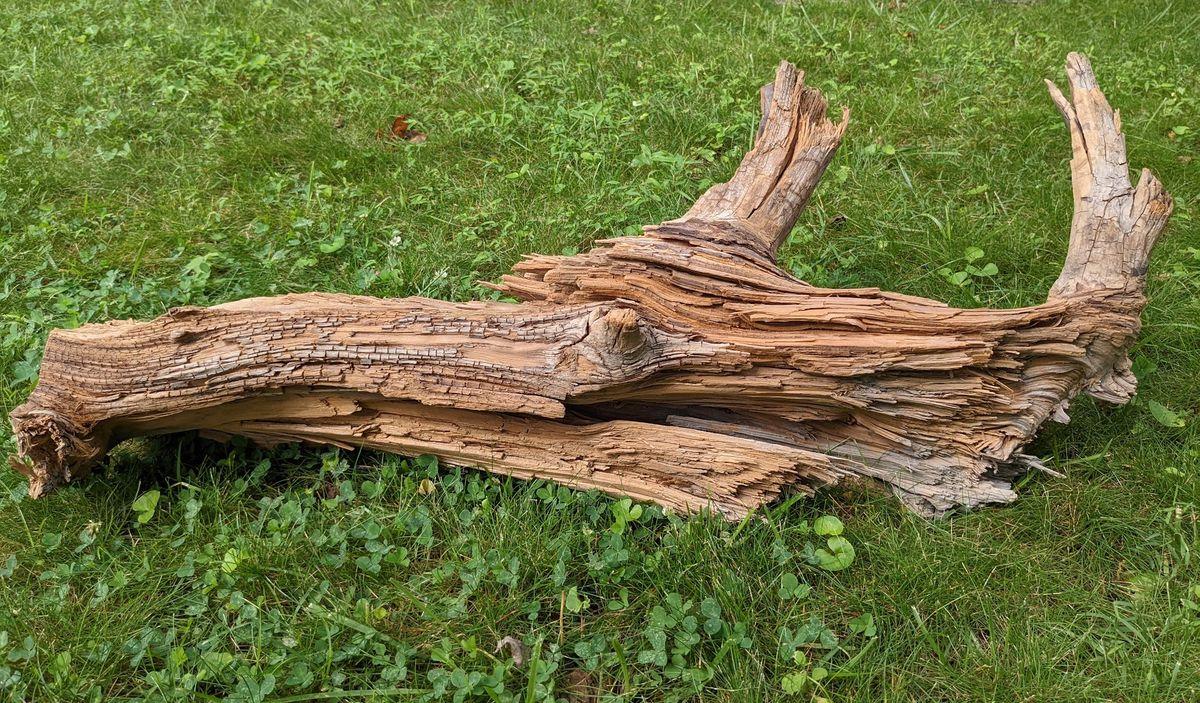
(682, 366)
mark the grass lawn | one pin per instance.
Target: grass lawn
(162, 153)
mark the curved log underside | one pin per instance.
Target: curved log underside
(682, 366)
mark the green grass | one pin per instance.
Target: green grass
(157, 153)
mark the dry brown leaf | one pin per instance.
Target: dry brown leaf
(400, 130)
(515, 647)
(580, 687)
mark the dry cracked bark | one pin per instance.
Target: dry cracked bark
(682, 366)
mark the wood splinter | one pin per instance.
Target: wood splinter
(682, 366)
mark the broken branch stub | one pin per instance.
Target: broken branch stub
(682, 366)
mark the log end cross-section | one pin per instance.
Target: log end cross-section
(682, 366)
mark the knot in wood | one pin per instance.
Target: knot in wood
(620, 331)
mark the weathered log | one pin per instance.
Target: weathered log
(682, 366)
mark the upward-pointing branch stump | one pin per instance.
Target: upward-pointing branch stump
(682, 366)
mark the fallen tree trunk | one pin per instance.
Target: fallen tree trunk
(682, 366)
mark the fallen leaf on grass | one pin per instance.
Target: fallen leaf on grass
(516, 649)
(400, 130)
(579, 687)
